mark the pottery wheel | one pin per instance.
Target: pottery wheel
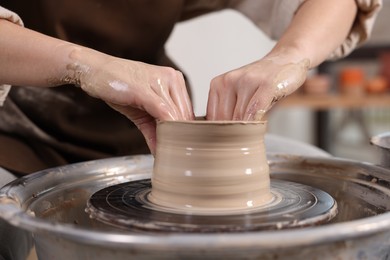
(294, 205)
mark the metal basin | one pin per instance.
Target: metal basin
(51, 205)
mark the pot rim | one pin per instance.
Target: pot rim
(212, 122)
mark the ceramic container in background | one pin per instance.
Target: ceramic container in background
(382, 143)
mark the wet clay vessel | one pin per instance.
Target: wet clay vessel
(210, 167)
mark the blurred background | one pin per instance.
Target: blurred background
(342, 104)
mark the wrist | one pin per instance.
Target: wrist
(290, 54)
(81, 61)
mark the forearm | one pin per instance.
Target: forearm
(316, 30)
(30, 58)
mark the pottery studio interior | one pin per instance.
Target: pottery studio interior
(103, 155)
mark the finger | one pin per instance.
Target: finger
(226, 105)
(212, 105)
(181, 98)
(147, 126)
(257, 106)
(165, 101)
(149, 101)
(155, 105)
(224, 100)
(144, 122)
(161, 110)
(243, 98)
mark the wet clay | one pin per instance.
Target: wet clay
(290, 77)
(210, 166)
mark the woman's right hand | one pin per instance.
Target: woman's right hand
(141, 92)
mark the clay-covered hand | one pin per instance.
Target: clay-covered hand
(247, 93)
(142, 92)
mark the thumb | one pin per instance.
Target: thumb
(144, 122)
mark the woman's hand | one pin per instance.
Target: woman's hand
(142, 92)
(249, 92)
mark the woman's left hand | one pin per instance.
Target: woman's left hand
(249, 92)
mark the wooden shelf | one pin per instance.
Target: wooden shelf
(329, 101)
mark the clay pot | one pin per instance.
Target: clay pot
(352, 81)
(210, 167)
(317, 85)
